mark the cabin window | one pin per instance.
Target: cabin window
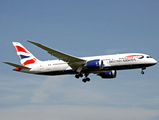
(149, 57)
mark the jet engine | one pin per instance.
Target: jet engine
(94, 64)
(109, 74)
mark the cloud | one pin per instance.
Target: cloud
(68, 91)
(47, 87)
(64, 97)
(64, 90)
(67, 112)
(17, 90)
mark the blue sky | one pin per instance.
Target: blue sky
(80, 28)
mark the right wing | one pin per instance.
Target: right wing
(74, 62)
(16, 65)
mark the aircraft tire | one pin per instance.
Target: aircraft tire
(80, 75)
(88, 79)
(84, 80)
(77, 76)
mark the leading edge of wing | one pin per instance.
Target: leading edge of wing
(74, 62)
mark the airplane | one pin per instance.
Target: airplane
(105, 66)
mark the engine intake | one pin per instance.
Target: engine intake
(109, 74)
(95, 64)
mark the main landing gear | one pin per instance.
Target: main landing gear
(78, 75)
(84, 79)
(142, 72)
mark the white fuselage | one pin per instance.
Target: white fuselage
(110, 62)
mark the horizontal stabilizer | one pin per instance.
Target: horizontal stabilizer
(16, 65)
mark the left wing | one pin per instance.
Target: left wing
(74, 62)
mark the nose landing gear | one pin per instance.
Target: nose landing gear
(142, 72)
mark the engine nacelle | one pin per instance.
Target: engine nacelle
(109, 74)
(95, 64)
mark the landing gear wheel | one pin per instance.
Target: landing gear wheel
(88, 79)
(84, 80)
(77, 76)
(142, 72)
(80, 75)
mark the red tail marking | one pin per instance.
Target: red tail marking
(20, 49)
(29, 62)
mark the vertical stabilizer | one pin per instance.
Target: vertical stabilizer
(26, 58)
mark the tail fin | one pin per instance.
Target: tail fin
(26, 58)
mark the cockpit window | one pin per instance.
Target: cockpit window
(149, 57)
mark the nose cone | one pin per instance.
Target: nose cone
(154, 62)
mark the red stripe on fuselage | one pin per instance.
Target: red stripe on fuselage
(31, 61)
(135, 56)
(20, 49)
